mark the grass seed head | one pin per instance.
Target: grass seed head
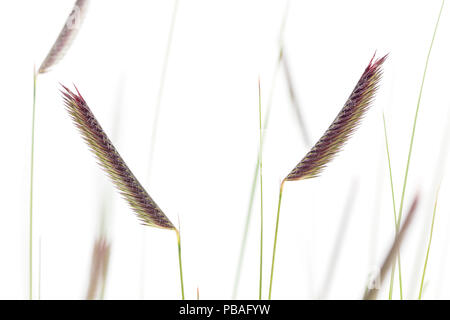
(343, 126)
(110, 160)
(66, 36)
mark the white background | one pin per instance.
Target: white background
(208, 140)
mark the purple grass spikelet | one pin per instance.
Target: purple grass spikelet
(110, 160)
(343, 126)
(66, 36)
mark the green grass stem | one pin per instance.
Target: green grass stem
(254, 183)
(415, 120)
(255, 172)
(391, 284)
(429, 246)
(275, 239)
(30, 231)
(180, 263)
(261, 187)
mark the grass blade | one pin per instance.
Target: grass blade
(415, 120)
(261, 187)
(180, 263)
(335, 136)
(30, 228)
(390, 172)
(439, 172)
(255, 172)
(391, 284)
(253, 190)
(429, 246)
(275, 239)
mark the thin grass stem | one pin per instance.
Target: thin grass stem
(261, 187)
(415, 122)
(275, 239)
(180, 262)
(390, 173)
(391, 284)
(254, 183)
(335, 136)
(255, 172)
(30, 231)
(56, 53)
(429, 246)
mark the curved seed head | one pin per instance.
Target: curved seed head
(110, 160)
(66, 36)
(343, 126)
